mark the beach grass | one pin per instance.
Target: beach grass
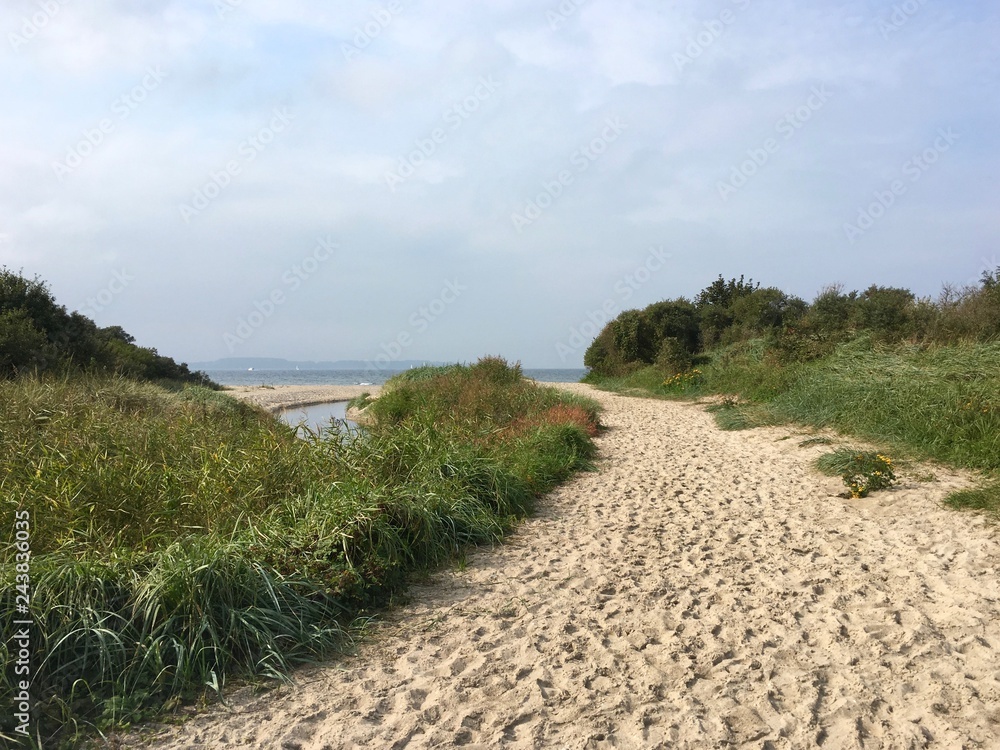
(181, 540)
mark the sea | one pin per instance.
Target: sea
(354, 377)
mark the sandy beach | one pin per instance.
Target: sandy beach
(701, 589)
(281, 397)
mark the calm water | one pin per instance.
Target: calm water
(318, 418)
(352, 377)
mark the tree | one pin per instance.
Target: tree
(832, 310)
(673, 319)
(721, 293)
(715, 305)
(766, 310)
(38, 334)
(632, 337)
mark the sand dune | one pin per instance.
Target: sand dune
(702, 589)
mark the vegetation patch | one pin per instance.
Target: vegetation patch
(38, 335)
(181, 539)
(683, 382)
(732, 415)
(863, 472)
(984, 498)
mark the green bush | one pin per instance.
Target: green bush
(39, 336)
(863, 472)
(674, 334)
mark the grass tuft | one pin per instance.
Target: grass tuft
(985, 498)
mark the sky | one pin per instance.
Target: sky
(443, 181)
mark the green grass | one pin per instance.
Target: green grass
(984, 498)
(941, 403)
(838, 462)
(183, 540)
(360, 402)
(731, 416)
(107, 464)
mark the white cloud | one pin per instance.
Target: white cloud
(356, 118)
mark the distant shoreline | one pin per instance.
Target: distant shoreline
(291, 377)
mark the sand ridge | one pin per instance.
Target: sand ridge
(702, 589)
(278, 398)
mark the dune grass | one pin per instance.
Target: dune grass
(181, 540)
(941, 402)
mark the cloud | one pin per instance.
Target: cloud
(380, 88)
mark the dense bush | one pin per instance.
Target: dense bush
(673, 334)
(667, 330)
(38, 336)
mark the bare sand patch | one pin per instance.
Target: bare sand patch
(702, 589)
(281, 397)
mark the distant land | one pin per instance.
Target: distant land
(271, 363)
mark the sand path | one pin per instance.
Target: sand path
(703, 589)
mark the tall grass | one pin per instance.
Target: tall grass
(941, 402)
(104, 464)
(182, 540)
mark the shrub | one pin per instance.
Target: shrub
(673, 357)
(862, 471)
(684, 381)
(37, 335)
(885, 311)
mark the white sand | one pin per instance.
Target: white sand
(280, 397)
(703, 589)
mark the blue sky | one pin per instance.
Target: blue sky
(443, 181)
